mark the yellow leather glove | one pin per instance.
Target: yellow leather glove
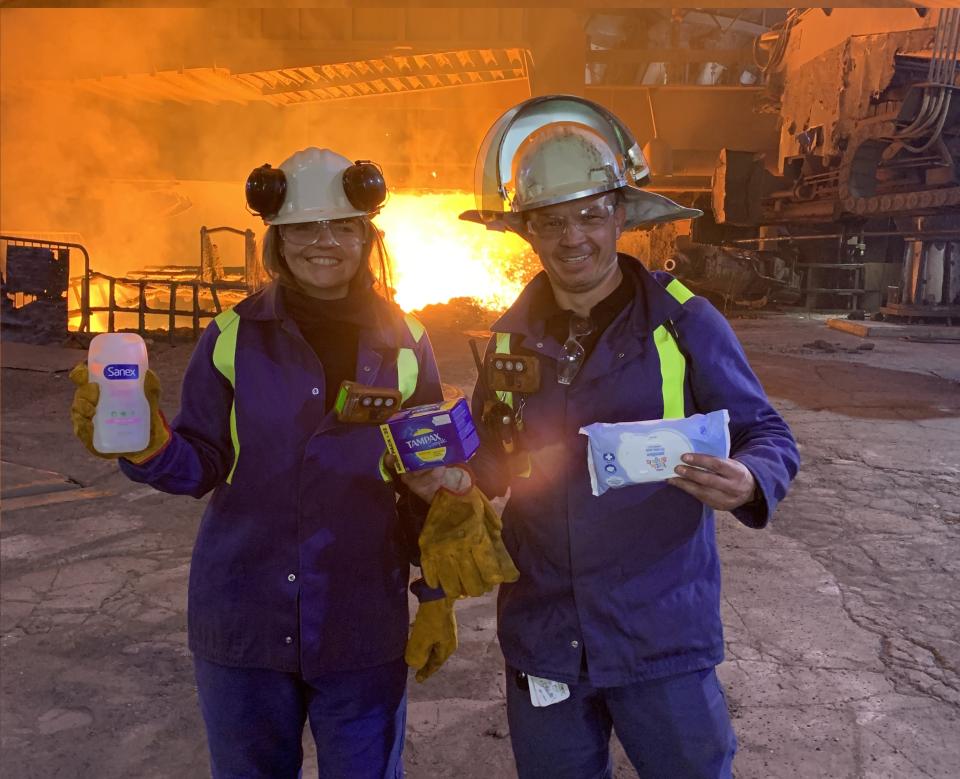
(84, 407)
(460, 545)
(433, 637)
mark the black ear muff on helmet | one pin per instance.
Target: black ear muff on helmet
(364, 186)
(265, 190)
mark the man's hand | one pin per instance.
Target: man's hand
(723, 483)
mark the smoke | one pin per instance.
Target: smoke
(134, 175)
(67, 157)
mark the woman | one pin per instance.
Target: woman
(297, 600)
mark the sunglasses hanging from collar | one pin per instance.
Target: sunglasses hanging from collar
(572, 355)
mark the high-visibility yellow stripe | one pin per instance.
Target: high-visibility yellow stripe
(224, 360)
(673, 368)
(523, 467)
(408, 369)
(503, 347)
(407, 373)
(673, 365)
(413, 325)
(680, 293)
(384, 473)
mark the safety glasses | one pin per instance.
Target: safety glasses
(572, 355)
(587, 220)
(308, 233)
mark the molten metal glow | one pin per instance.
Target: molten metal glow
(437, 257)
(99, 296)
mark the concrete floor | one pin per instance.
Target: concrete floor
(842, 618)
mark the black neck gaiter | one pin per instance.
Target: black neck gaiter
(332, 328)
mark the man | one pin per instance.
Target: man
(618, 599)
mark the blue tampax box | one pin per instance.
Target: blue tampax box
(431, 435)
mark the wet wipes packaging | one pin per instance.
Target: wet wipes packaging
(431, 435)
(624, 453)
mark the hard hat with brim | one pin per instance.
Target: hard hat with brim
(558, 149)
(644, 209)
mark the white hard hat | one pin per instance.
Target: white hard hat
(560, 148)
(315, 185)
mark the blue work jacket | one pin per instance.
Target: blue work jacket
(632, 577)
(301, 561)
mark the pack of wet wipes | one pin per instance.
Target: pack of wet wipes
(624, 453)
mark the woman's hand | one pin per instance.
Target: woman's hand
(425, 483)
(84, 408)
(720, 482)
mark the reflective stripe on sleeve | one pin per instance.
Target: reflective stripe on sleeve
(224, 360)
(673, 365)
(385, 475)
(673, 368)
(408, 371)
(414, 326)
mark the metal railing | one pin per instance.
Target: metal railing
(196, 312)
(154, 284)
(85, 283)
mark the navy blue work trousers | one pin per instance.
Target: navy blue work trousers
(255, 718)
(672, 728)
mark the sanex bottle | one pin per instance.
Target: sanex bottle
(118, 363)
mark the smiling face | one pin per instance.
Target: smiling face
(577, 246)
(323, 257)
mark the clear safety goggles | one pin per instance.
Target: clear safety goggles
(572, 354)
(587, 220)
(308, 233)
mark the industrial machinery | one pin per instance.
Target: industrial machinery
(868, 171)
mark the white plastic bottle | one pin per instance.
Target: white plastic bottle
(118, 363)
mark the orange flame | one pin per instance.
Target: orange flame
(437, 257)
(99, 296)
